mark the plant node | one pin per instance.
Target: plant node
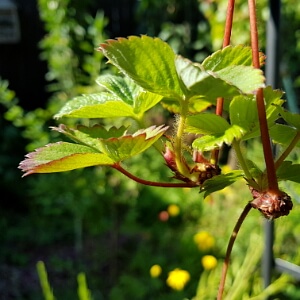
(271, 204)
(198, 172)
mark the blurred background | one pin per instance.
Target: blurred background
(124, 237)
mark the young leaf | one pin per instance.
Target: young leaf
(61, 157)
(129, 145)
(219, 182)
(150, 62)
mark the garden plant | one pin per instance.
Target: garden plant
(223, 100)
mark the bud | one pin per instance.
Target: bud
(272, 205)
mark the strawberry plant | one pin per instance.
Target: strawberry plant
(222, 100)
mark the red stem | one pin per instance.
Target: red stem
(265, 137)
(226, 42)
(153, 183)
(229, 248)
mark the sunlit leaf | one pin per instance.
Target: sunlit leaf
(120, 87)
(272, 99)
(150, 62)
(219, 182)
(230, 56)
(101, 105)
(60, 157)
(144, 101)
(90, 136)
(206, 124)
(210, 142)
(197, 104)
(243, 111)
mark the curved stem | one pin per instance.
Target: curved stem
(118, 167)
(229, 248)
(288, 150)
(265, 137)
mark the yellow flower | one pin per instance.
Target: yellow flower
(178, 278)
(155, 271)
(204, 240)
(209, 262)
(173, 210)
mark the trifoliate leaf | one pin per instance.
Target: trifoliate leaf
(219, 182)
(206, 124)
(129, 145)
(61, 157)
(150, 62)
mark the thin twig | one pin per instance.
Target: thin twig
(229, 248)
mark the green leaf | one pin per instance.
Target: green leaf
(289, 171)
(272, 99)
(61, 157)
(291, 118)
(89, 136)
(210, 142)
(201, 83)
(123, 99)
(120, 87)
(129, 145)
(220, 79)
(144, 101)
(234, 65)
(197, 104)
(101, 105)
(283, 134)
(229, 56)
(150, 62)
(220, 182)
(206, 124)
(243, 111)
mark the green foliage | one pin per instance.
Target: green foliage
(226, 73)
